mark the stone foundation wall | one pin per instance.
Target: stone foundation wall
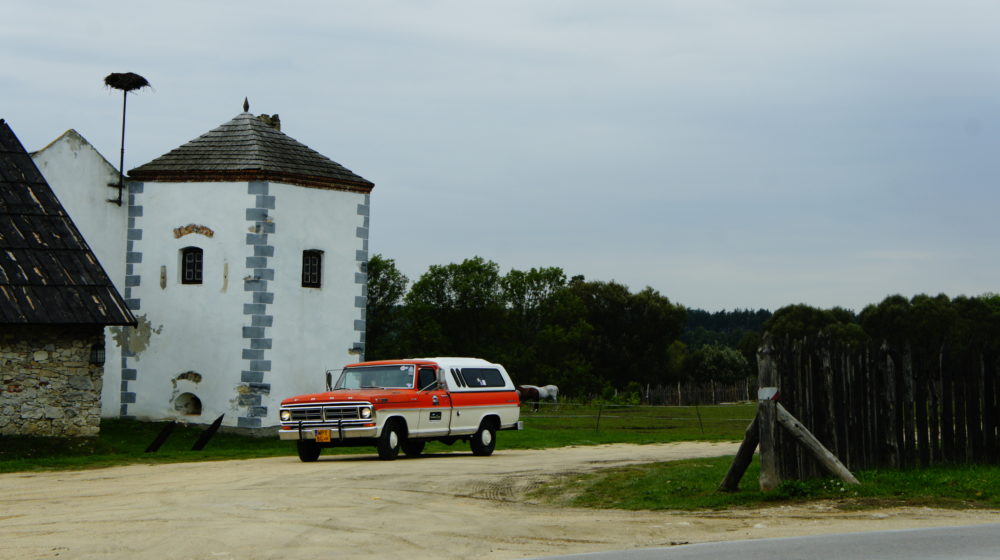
(48, 387)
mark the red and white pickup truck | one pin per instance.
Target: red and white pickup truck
(403, 404)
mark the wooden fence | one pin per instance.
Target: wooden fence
(878, 407)
(710, 392)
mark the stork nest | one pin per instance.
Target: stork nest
(126, 81)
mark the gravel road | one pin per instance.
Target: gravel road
(440, 506)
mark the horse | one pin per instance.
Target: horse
(529, 393)
(549, 393)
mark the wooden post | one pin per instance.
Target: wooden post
(908, 449)
(731, 483)
(822, 454)
(767, 415)
(889, 426)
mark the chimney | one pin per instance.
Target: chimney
(271, 120)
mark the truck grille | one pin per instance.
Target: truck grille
(330, 413)
(340, 413)
(306, 414)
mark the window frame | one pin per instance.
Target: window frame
(312, 268)
(195, 264)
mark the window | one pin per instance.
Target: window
(479, 377)
(312, 269)
(426, 379)
(191, 259)
(388, 376)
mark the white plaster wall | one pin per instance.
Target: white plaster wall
(79, 175)
(200, 327)
(193, 327)
(313, 327)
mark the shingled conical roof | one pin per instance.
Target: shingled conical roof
(249, 149)
(48, 274)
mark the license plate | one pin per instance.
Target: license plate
(323, 435)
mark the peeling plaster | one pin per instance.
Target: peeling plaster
(135, 340)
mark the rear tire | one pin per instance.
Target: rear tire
(484, 441)
(413, 448)
(308, 450)
(389, 442)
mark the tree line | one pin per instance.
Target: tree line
(595, 337)
(588, 337)
(927, 323)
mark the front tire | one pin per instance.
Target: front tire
(390, 441)
(308, 450)
(484, 441)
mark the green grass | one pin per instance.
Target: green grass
(692, 485)
(571, 424)
(124, 442)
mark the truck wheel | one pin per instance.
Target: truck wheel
(308, 450)
(485, 440)
(413, 448)
(390, 441)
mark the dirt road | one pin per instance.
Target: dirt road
(441, 506)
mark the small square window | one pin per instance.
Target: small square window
(312, 269)
(191, 265)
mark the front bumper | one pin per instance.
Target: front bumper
(336, 433)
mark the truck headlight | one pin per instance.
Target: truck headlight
(366, 412)
(285, 415)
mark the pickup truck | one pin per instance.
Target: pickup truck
(398, 405)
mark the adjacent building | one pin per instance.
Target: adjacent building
(55, 302)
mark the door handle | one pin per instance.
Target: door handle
(435, 400)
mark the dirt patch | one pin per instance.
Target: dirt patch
(441, 506)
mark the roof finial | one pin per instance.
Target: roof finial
(246, 105)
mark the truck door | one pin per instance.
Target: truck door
(435, 404)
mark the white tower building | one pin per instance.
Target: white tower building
(245, 265)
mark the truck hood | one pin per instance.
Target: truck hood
(376, 396)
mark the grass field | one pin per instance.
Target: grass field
(574, 424)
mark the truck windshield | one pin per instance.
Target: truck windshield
(376, 377)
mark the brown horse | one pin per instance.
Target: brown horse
(529, 393)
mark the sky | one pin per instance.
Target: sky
(728, 154)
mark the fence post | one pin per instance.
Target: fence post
(767, 413)
(731, 483)
(600, 407)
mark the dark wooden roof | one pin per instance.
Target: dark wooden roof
(248, 149)
(48, 274)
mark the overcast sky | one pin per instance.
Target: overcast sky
(740, 154)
